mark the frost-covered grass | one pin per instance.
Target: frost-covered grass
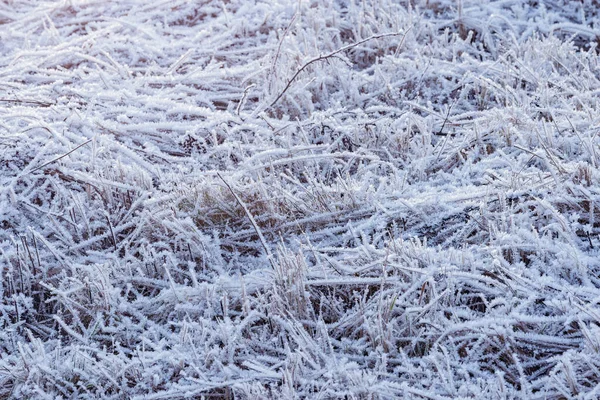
(300, 199)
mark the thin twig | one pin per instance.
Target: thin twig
(442, 129)
(332, 54)
(274, 64)
(39, 103)
(243, 99)
(63, 156)
(252, 221)
(112, 233)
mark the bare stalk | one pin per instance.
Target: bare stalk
(63, 156)
(252, 221)
(330, 55)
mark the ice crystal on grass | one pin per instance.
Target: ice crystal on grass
(316, 199)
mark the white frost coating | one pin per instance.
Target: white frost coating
(409, 203)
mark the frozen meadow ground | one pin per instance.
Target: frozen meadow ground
(300, 199)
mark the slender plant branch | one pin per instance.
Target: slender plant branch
(63, 156)
(252, 221)
(274, 64)
(330, 55)
(39, 103)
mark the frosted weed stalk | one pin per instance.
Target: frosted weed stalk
(410, 215)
